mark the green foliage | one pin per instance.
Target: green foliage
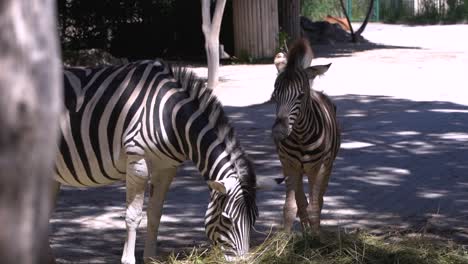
(319, 9)
(91, 21)
(393, 11)
(283, 38)
(431, 12)
(135, 29)
(457, 10)
(465, 8)
(340, 248)
(90, 58)
(244, 57)
(359, 10)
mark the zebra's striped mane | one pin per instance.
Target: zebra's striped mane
(196, 88)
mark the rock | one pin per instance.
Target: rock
(323, 32)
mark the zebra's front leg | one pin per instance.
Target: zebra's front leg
(136, 181)
(160, 182)
(301, 201)
(296, 201)
(318, 182)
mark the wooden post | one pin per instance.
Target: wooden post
(289, 18)
(30, 103)
(255, 28)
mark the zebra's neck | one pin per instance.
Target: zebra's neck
(194, 125)
(200, 134)
(309, 125)
(308, 114)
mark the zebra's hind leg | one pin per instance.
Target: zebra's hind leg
(160, 182)
(136, 181)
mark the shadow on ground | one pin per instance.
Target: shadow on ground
(403, 164)
(336, 50)
(347, 49)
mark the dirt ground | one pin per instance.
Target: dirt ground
(403, 163)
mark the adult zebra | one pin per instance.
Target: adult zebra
(138, 122)
(306, 134)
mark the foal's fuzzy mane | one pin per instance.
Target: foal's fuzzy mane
(300, 55)
(203, 95)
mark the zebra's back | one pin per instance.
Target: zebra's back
(103, 110)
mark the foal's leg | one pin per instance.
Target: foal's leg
(326, 171)
(160, 182)
(318, 182)
(136, 181)
(296, 201)
(301, 201)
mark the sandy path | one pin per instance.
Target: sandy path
(403, 162)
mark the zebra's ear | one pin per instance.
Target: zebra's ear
(316, 70)
(223, 186)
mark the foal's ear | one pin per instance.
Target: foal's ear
(317, 70)
(223, 186)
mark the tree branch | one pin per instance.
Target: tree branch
(206, 17)
(217, 18)
(364, 24)
(345, 12)
(211, 29)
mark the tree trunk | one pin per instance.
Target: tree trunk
(345, 12)
(30, 102)
(354, 35)
(211, 28)
(289, 18)
(366, 20)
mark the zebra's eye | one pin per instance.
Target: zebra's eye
(226, 218)
(225, 215)
(300, 96)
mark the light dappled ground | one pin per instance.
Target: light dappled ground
(403, 107)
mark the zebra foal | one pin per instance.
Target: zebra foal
(138, 122)
(306, 134)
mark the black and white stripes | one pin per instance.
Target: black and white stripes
(155, 116)
(306, 134)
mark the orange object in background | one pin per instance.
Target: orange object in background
(338, 20)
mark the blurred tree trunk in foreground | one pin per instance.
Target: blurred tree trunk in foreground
(30, 102)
